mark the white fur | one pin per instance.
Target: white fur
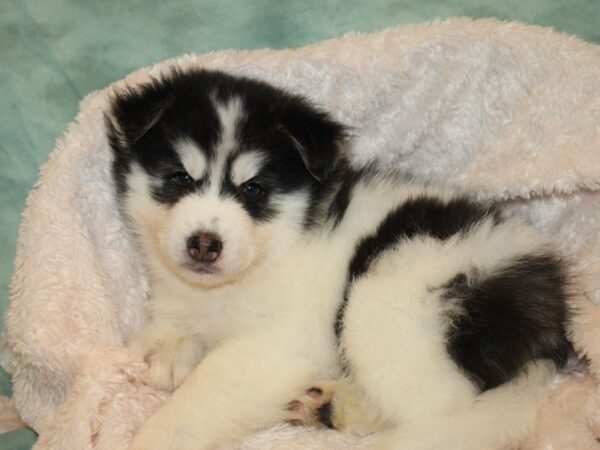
(269, 332)
(245, 167)
(498, 419)
(395, 326)
(164, 231)
(229, 114)
(192, 158)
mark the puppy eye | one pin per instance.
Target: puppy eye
(252, 190)
(181, 179)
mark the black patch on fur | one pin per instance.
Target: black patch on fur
(419, 216)
(341, 200)
(511, 317)
(260, 209)
(324, 415)
(149, 120)
(300, 142)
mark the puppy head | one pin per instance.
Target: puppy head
(217, 174)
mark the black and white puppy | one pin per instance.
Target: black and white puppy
(274, 264)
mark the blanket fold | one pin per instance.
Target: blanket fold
(503, 110)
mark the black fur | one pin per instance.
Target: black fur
(510, 317)
(324, 415)
(422, 215)
(300, 143)
(343, 195)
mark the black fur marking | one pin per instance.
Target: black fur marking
(148, 121)
(339, 205)
(260, 209)
(299, 141)
(419, 216)
(324, 415)
(511, 317)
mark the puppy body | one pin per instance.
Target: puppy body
(273, 264)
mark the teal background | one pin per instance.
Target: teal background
(53, 52)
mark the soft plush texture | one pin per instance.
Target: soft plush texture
(500, 109)
(55, 52)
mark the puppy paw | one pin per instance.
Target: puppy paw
(170, 357)
(313, 409)
(336, 405)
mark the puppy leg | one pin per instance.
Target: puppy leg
(242, 386)
(171, 355)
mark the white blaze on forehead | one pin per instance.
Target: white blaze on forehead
(246, 166)
(230, 114)
(192, 158)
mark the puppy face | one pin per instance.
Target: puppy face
(217, 174)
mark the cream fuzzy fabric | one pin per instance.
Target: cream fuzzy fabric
(501, 109)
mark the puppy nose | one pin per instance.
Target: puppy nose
(204, 247)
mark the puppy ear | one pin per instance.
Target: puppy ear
(133, 113)
(317, 137)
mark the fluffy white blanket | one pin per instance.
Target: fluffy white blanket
(501, 109)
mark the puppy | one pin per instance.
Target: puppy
(273, 264)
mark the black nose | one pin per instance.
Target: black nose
(205, 247)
